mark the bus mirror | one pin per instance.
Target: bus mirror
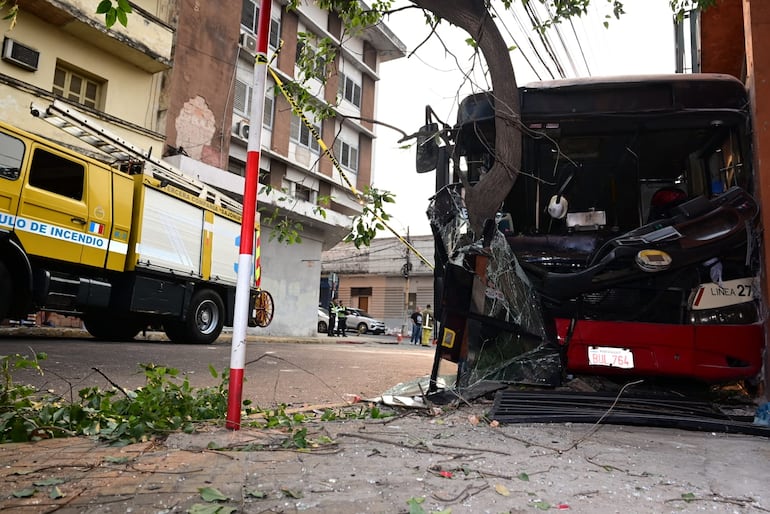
(427, 148)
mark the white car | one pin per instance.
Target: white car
(362, 322)
(323, 320)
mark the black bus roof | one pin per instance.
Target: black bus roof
(615, 95)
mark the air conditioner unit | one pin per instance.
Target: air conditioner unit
(242, 130)
(20, 55)
(248, 43)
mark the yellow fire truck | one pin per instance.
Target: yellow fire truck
(123, 246)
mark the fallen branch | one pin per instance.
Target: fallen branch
(417, 447)
(464, 494)
(113, 384)
(717, 498)
(454, 447)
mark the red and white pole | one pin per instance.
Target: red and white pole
(245, 262)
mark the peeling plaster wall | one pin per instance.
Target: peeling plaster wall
(199, 113)
(195, 127)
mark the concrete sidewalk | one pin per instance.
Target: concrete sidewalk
(438, 460)
(452, 461)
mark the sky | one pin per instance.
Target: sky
(641, 41)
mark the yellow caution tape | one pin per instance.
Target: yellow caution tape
(298, 111)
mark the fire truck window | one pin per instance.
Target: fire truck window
(11, 155)
(57, 174)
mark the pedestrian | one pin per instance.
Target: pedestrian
(342, 319)
(427, 325)
(332, 318)
(416, 325)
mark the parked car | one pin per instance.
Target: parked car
(361, 322)
(323, 320)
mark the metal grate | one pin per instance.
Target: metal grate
(654, 411)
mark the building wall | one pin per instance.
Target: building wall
(723, 47)
(206, 51)
(286, 274)
(757, 28)
(122, 84)
(187, 110)
(734, 36)
(380, 267)
(292, 273)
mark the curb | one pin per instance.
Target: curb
(225, 337)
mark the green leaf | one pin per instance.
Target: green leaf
(122, 17)
(55, 493)
(24, 493)
(256, 494)
(523, 477)
(124, 6)
(688, 497)
(199, 508)
(415, 505)
(116, 460)
(292, 494)
(48, 481)
(541, 505)
(103, 7)
(211, 494)
(110, 17)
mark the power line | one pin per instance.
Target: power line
(556, 27)
(518, 47)
(580, 46)
(536, 24)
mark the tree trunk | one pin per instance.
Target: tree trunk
(485, 198)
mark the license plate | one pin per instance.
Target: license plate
(609, 356)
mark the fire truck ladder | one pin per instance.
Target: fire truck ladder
(89, 131)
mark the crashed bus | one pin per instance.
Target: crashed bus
(628, 245)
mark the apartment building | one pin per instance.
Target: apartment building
(177, 82)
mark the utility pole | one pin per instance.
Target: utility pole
(245, 257)
(405, 269)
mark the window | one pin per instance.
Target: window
(350, 90)
(347, 154)
(242, 98)
(11, 155)
(303, 192)
(242, 103)
(267, 115)
(77, 87)
(250, 18)
(57, 174)
(239, 168)
(264, 177)
(301, 135)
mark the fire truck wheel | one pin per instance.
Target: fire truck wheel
(110, 327)
(5, 291)
(204, 321)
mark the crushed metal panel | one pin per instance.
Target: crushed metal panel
(492, 314)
